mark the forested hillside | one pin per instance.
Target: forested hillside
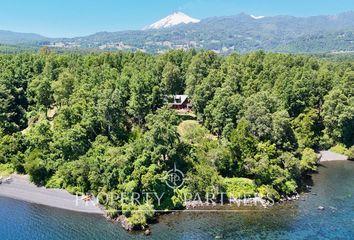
(98, 122)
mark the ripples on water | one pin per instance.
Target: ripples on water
(333, 189)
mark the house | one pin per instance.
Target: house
(180, 102)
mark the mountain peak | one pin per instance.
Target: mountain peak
(174, 19)
(257, 17)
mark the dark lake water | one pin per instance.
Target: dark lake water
(333, 188)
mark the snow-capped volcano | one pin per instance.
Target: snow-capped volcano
(172, 20)
(257, 17)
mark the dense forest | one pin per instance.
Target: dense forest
(100, 123)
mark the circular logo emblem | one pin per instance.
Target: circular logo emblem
(175, 178)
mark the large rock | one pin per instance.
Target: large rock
(125, 224)
(147, 232)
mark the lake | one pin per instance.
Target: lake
(333, 188)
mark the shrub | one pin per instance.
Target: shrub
(289, 187)
(268, 192)
(181, 195)
(112, 213)
(339, 148)
(137, 220)
(138, 216)
(147, 209)
(309, 160)
(127, 209)
(74, 190)
(37, 171)
(350, 152)
(239, 187)
(6, 169)
(55, 182)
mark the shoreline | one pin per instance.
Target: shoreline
(329, 156)
(20, 188)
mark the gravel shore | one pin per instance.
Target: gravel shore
(21, 188)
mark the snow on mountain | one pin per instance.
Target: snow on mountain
(172, 20)
(257, 17)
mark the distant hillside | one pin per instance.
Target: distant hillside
(8, 37)
(241, 33)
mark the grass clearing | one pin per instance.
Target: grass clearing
(192, 132)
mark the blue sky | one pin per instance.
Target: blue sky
(67, 18)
